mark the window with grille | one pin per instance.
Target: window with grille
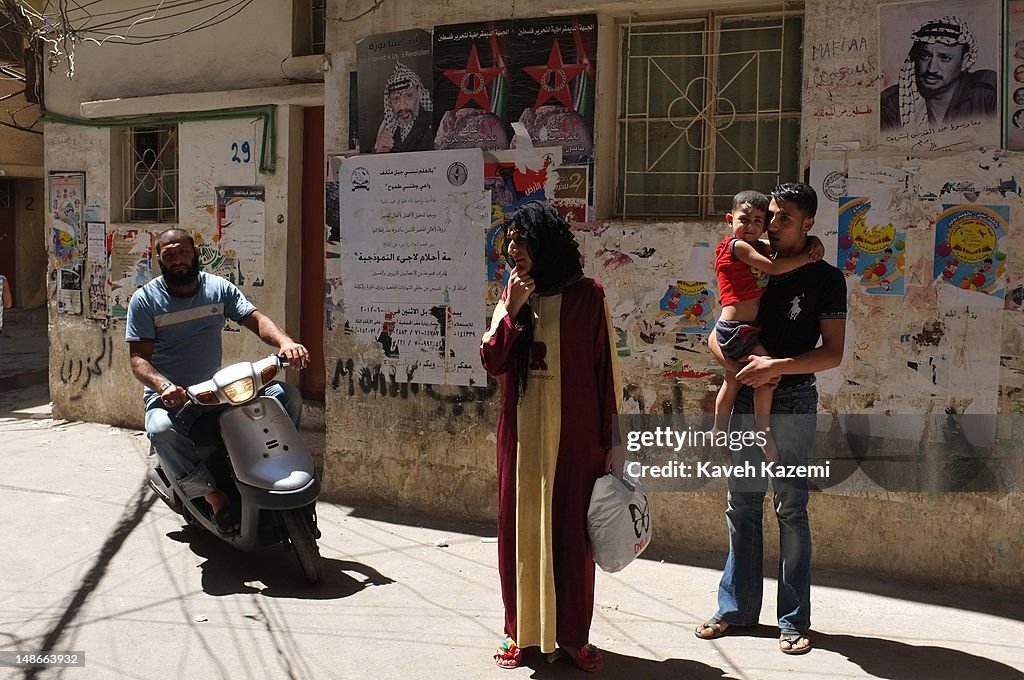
(317, 26)
(709, 106)
(150, 173)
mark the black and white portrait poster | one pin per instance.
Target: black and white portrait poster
(940, 82)
(396, 108)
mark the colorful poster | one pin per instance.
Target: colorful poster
(241, 223)
(396, 109)
(472, 78)
(940, 86)
(873, 254)
(67, 219)
(570, 199)
(410, 251)
(553, 82)
(129, 258)
(497, 268)
(970, 248)
(1013, 116)
(688, 307)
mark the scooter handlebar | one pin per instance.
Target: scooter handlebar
(283, 360)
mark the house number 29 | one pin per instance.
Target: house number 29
(240, 153)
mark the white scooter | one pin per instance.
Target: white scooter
(255, 455)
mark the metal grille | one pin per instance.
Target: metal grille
(317, 15)
(709, 106)
(6, 193)
(150, 170)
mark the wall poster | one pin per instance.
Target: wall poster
(411, 257)
(940, 86)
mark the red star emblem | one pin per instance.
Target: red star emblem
(472, 81)
(554, 77)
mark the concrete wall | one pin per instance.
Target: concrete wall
(431, 448)
(244, 51)
(237, 63)
(108, 392)
(21, 153)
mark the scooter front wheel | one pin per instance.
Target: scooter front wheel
(302, 533)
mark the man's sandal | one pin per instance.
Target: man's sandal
(508, 654)
(792, 639)
(717, 626)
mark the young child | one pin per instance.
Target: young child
(743, 265)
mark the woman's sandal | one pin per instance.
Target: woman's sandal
(508, 654)
(587, 658)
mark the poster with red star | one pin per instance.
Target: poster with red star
(472, 76)
(553, 82)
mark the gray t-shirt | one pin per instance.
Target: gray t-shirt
(185, 331)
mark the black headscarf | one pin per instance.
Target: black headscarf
(557, 264)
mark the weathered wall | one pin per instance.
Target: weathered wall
(32, 254)
(244, 50)
(432, 448)
(21, 153)
(90, 378)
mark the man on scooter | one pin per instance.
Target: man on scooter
(174, 340)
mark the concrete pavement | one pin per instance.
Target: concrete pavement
(92, 563)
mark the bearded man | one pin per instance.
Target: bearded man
(174, 340)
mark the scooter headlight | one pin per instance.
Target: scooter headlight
(240, 391)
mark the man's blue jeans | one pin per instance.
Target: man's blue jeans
(170, 434)
(740, 591)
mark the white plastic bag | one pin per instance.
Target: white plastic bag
(618, 521)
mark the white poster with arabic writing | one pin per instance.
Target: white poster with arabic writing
(411, 252)
(241, 223)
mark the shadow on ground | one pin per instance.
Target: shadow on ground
(273, 571)
(622, 666)
(899, 661)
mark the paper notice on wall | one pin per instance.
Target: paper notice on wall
(128, 257)
(66, 217)
(829, 181)
(241, 223)
(96, 270)
(69, 289)
(413, 284)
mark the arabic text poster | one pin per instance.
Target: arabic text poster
(688, 307)
(241, 223)
(472, 81)
(873, 254)
(554, 81)
(412, 257)
(970, 248)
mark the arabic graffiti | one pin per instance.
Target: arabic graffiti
(384, 381)
(78, 372)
